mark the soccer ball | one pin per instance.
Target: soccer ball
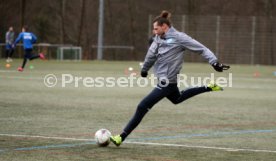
(8, 65)
(102, 137)
(130, 69)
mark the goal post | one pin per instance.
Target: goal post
(69, 53)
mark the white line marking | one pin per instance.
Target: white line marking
(5, 71)
(28, 78)
(45, 137)
(147, 143)
(201, 147)
(15, 71)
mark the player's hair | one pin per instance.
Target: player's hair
(163, 18)
(25, 27)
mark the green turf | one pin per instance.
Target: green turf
(241, 117)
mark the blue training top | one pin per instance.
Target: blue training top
(27, 38)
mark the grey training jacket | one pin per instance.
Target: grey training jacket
(166, 54)
(9, 38)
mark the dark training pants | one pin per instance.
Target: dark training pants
(9, 53)
(28, 55)
(171, 92)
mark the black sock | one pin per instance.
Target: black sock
(208, 89)
(123, 136)
(24, 62)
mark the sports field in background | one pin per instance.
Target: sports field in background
(42, 123)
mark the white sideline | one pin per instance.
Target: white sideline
(202, 147)
(146, 143)
(45, 137)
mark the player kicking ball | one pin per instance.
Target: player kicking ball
(166, 54)
(28, 40)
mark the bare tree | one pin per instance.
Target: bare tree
(82, 17)
(131, 3)
(22, 17)
(269, 14)
(62, 19)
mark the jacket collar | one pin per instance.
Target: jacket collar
(168, 33)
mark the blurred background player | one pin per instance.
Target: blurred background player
(166, 54)
(9, 42)
(28, 40)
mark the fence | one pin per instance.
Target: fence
(239, 40)
(52, 51)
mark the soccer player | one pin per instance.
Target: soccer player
(166, 54)
(9, 42)
(28, 40)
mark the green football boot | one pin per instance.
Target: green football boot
(214, 87)
(117, 140)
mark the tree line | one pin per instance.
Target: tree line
(126, 21)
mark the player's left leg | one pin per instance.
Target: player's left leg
(27, 55)
(7, 55)
(20, 69)
(10, 54)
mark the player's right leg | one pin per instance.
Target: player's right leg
(214, 87)
(178, 97)
(40, 55)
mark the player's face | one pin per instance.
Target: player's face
(158, 30)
